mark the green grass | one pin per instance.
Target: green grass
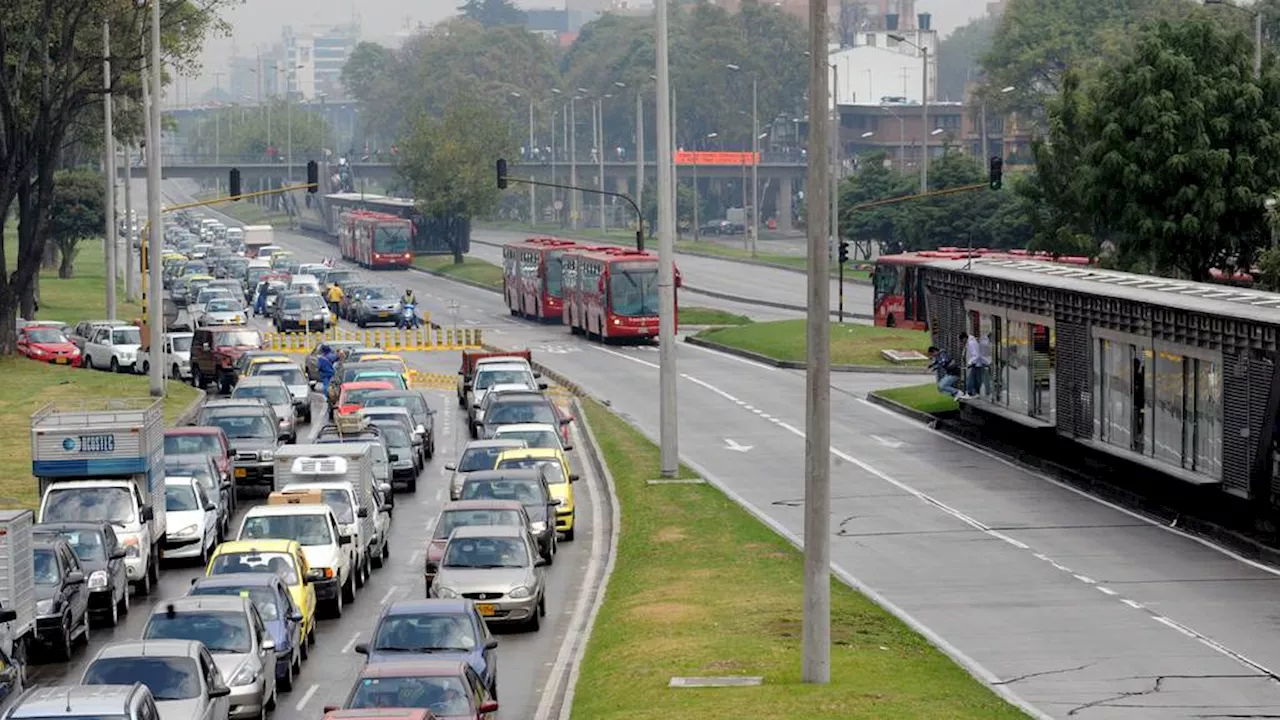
(850, 344)
(924, 398)
(480, 271)
(81, 297)
(711, 316)
(28, 385)
(250, 213)
(702, 588)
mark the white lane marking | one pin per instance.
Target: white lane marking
(1085, 579)
(736, 446)
(735, 358)
(891, 444)
(390, 592)
(1106, 590)
(351, 643)
(416, 557)
(625, 356)
(306, 697)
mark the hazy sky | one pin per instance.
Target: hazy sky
(260, 22)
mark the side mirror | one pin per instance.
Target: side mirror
(491, 644)
(314, 575)
(210, 507)
(542, 386)
(537, 374)
(268, 645)
(553, 504)
(565, 421)
(573, 477)
(8, 616)
(488, 706)
(75, 577)
(283, 437)
(296, 616)
(205, 346)
(386, 508)
(330, 708)
(147, 514)
(384, 488)
(568, 447)
(118, 554)
(476, 406)
(362, 513)
(344, 539)
(451, 468)
(362, 648)
(219, 691)
(540, 562)
(421, 430)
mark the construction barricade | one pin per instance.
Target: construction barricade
(425, 339)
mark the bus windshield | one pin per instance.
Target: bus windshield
(633, 289)
(555, 274)
(391, 239)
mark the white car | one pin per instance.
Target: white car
(493, 374)
(315, 527)
(535, 435)
(197, 309)
(177, 354)
(113, 348)
(192, 519)
(224, 311)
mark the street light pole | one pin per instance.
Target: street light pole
(573, 162)
(924, 114)
(604, 226)
(755, 165)
(155, 318)
(816, 630)
(836, 162)
(109, 158)
(533, 198)
(669, 442)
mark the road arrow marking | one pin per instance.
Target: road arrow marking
(733, 445)
(895, 444)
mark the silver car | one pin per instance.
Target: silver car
(222, 310)
(478, 455)
(233, 631)
(183, 678)
(497, 566)
(85, 702)
(293, 379)
(275, 393)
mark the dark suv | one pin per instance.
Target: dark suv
(254, 433)
(511, 408)
(214, 351)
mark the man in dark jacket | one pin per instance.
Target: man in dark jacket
(946, 370)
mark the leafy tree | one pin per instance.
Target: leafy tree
(247, 132)
(368, 66)
(959, 54)
(448, 161)
(78, 212)
(492, 13)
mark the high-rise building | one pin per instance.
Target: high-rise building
(313, 60)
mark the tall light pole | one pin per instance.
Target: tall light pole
(924, 107)
(533, 203)
(109, 158)
(155, 318)
(669, 443)
(639, 191)
(604, 225)
(555, 213)
(816, 629)
(837, 161)
(1257, 33)
(986, 145)
(902, 139)
(573, 160)
(753, 229)
(131, 268)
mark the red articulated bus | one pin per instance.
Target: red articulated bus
(611, 293)
(899, 295)
(532, 277)
(375, 240)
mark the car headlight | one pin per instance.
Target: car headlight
(187, 531)
(246, 675)
(519, 592)
(538, 526)
(45, 607)
(131, 547)
(98, 580)
(266, 455)
(446, 592)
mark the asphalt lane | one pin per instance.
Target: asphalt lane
(1075, 607)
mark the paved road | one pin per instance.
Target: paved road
(1077, 608)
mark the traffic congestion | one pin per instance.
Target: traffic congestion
(251, 535)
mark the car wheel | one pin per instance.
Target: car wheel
(84, 636)
(115, 365)
(87, 362)
(286, 682)
(62, 651)
(413, 485)
(111, 617)
(304, 649)
(335, 610)
(204, 554)
(123, 602)
(176, 372)
(376, 560)
(386, 549)
(349, 588)
(146, 367)
(154, 569)
(568, 534)
(542, 607)
(431, 448)
(143, 586)
(270, 704)
(534, 622)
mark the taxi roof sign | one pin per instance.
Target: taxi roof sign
(309, 496)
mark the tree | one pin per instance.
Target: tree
(368, 66)
(959, 54)
(246, 132)
(78, 212)
(492, 13)
(1183, 147)
(448, 161)
(51, 62)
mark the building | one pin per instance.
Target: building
(897, 129)
(313, 60)
(879, 66)
(556, 22)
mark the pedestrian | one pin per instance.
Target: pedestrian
(946, 370)
(334, 296)
(973, 364)
(260, 301)
(984, 352)
(324, 366)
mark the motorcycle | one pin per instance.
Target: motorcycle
(409, 316)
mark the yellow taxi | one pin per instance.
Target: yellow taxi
(560, 481)
(284, 558)
(258, 361)
(387, 358)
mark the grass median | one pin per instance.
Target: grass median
(851, 344)
(711, 316)
(478, 271)
(702, 588)
(28, 385)
(924, 398)
(82, 296)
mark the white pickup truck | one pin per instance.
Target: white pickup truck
(113, 348)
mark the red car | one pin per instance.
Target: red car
(197, 440)
(48, 344)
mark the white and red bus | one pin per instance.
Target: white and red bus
(611, 293)
(375, 240)
(532, 278)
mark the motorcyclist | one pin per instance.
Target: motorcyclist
(408, 301)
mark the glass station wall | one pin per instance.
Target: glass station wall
(1023, 359)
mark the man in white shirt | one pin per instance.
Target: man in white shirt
(973, 365)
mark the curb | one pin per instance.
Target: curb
(451, 278)
(795, 365)
(189, 413)
(875, 398)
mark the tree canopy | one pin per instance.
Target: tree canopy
(492, 13)
(960, 54)
(78, 212)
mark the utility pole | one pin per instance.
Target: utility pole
(109, 152)
(155, 315)
(755, 164)
(674, 145)
(130, 268)
(639, 193)
(836, 164)
(816, 633)
(533, 199)
(669, 442)
(604, 225)
(924, 115)
(573, 162)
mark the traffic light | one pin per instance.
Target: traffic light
(502, 174)
(844, 251)
(995, 172)
(234, 184)
(313, 176)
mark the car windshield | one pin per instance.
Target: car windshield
(88, 544)
(394, 433)
(488, 378)
(306, 529)
(273, 394)
(238, 338)
(47, 567)
(453, 519)
(182, 343)
(633, 289)
(532, 438)
(411, 403)
(180, 498)
(223, 305)
(440, 695)
(268, 562)
(486, 552)
(168, 678)
(519, 413)
(339, 276)
(126, 336)
(290, 375)
(377, 293)
(479, 458)
(526, 492)
(263, 598)
(555, 476)
(192, 445)
(424, 633)
(92, 504)
(45, 335)
(356, 397)
(242, 426)
(221, 632)
(391, 239)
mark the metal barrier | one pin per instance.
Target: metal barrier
(389, 339)
(437, 381)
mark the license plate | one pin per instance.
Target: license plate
(382, 314)
(241, 472)
(61, 361)
(485, 610)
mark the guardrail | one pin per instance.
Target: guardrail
(389, 339)
(300, 162)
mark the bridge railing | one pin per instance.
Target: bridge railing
(383, 159)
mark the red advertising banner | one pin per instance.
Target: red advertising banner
(715, 158)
